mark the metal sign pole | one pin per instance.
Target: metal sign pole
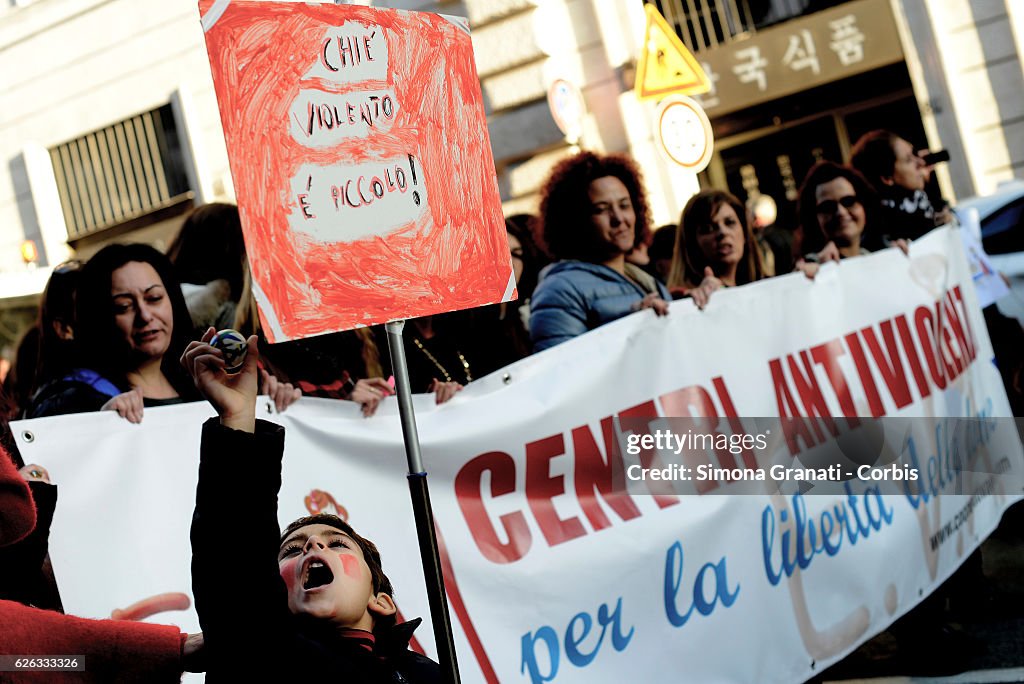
(422, 512)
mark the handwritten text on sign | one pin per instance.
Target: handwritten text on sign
(358, 145)
(345, 202)
(386, 194)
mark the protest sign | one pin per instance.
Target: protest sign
(987, 281)
(362, 165)
(557, 572)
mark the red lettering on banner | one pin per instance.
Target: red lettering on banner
(649, 458)
(867, 382)
(943, 334)
(944, 343)
(723, 396)
(958, 328)
(827, 355)
(925, 326)
(966, 323)
(593, 473)
(542, 487)
(793, 425)
(913, 357)
(735, 424)
(810, 396)
(502, 469)
(681, 403)
(955, 325)
(888, 362)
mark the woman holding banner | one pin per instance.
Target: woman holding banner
(838, 216)
(714, 248)
(129, 313)
(591, 208)
(131, 325)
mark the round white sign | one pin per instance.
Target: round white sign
(567, 108)
(685, 133)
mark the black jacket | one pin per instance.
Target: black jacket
(240, 596)
(906, 214)
(25, 572)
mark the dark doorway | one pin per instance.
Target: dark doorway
(776, 164)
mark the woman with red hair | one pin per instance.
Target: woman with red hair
(593, 212)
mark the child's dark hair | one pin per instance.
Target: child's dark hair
(381, 583)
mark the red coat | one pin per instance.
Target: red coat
(114, 650)
(17, 512)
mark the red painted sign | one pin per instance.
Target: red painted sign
(361, 162)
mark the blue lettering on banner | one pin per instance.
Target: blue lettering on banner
(947, 464)
(577, 631)
(822, 536)
(704, 606)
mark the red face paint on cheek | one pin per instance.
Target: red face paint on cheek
(287, 570)
(350, 564)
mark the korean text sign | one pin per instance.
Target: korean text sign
(361, 161)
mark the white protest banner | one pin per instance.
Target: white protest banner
(555, 571)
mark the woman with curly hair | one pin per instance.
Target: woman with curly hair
(715, 247)
(592, 210)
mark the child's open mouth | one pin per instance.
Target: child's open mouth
(317, 575)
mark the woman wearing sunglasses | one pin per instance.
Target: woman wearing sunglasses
(837, 207)
(838, 216)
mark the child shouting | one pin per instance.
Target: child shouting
(272, 605)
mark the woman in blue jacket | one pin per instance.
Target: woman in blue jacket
(592, 210)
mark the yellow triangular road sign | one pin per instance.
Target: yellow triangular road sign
(666, 66)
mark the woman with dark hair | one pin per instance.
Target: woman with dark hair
(47, 348)
(838, 207)
(714, 248)
(899, 175)
(498, 335)
(839, 216)
(131, 326)
(209, 257)
(592, 210)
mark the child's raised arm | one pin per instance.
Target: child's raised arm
(232, 394)
(239, 594)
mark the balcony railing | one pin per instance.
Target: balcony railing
(704, 24)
